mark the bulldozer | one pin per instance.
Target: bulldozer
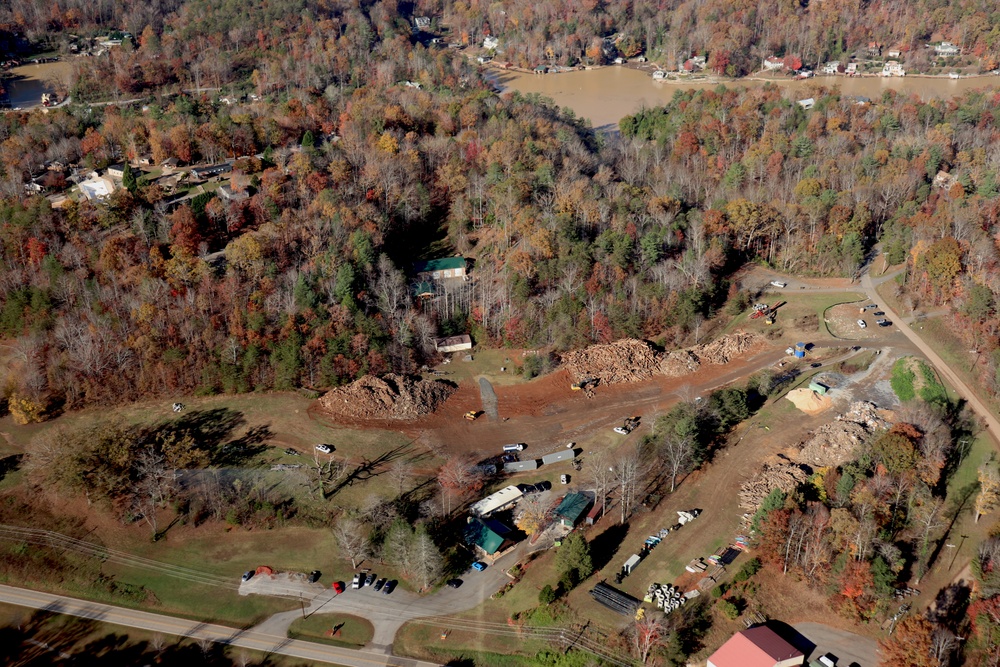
(472, 415)
(585, 383)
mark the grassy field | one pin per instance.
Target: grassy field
(797, 308)
(352, 631)
(485, 362)
(954, 353)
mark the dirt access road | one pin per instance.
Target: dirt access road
(250, 639)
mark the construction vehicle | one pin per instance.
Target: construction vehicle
(627, 426)
(472, 415)
(585, 383)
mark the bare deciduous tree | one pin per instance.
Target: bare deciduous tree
(352, 538)
(678, 454)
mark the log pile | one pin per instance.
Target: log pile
(626, 360)
(724, 349)
(784, 476)
(389, 397)
(631, 360)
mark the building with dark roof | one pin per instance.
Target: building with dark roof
(488, 537)
(572, 508)
(436, 269)
(759, 646)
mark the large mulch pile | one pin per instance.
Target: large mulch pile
(389, 397)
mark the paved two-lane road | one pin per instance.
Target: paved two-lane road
(249, 639)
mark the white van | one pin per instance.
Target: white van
(517, 447)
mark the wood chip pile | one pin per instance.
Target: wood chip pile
(631, 360)
(834, 443)
(389, 397)
(784, 476)
(679, 362)
(626, 360)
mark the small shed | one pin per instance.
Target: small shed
(631, 563)
(572, 508)
(807, 103)
(819, 388)
(594, 514)
(488, 537)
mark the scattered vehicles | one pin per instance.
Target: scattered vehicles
(454, 583)
(370, 580)
(779, 283)
(314, 576)
(338, 587)
(472, 415)
(878, 313)
(862, 324)
(815, 364)
(357, 582)
(544, 485)
(869, 306)
(389, 587)
(516, 447)
(479, 566)
(570, 445)
(584, 384)
(380, 583)
(564, 479)
(828, 660)
(248, 575)
(883, 322)
(326, 449)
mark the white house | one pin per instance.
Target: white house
(832, 67)
(851, 69)
(453, 343)
(490, 43)
(946, 49)
(97, 187)
(807, 103)
(772, 63)
(895, 53)
(116, 171)
(893, 68)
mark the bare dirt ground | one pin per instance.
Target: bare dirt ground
(843, 322)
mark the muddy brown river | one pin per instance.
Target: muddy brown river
(607, 94)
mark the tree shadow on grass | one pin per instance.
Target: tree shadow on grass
(213, 433)
(604, 547)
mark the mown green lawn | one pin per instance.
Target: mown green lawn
(352, 631)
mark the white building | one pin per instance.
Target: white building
(96, 188)
(946, 49)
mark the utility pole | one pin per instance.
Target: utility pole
(957, 550)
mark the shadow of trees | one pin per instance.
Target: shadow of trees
(212, 434)
(48, 638)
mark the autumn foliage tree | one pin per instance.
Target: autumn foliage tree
(911, 644)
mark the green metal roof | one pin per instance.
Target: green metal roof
(423, 288)
(572, 506)
(478, 534)
(439, 264)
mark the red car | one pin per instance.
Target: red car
(338, 587)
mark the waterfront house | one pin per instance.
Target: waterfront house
(946, 49)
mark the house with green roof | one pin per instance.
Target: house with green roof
(488, 537)
(572, 508)
(437, 269)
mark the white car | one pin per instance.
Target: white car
(778, 283)
(862, 324)
(564, 479)
(324, 448)
(621, 429)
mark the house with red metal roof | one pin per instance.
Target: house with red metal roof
(756, 647)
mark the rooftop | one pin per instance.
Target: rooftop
(439, 264)
(759, 646)
(573, 506)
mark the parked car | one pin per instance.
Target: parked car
(479, 566)
(564, 479)
(515, 447)
(883, 322)
(815, 364)
(357, 582)
(543, 485)
(324, 448)
(370, 580)
(389, 587)
(527, 488)
(779, 283)
(314, 576)
(862, 324)
(870, 306)
(828, 660)
(878, 313)
(454, 583)
(621, 430)
(248, 575)
(380, 583)
(338, 587)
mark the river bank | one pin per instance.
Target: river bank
(604, 95)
